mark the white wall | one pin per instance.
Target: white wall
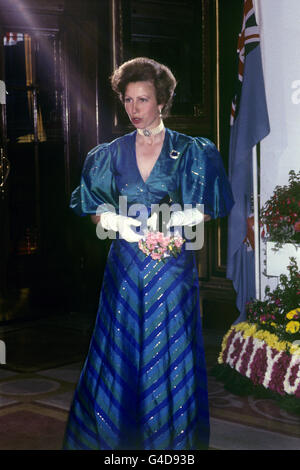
(280, 44)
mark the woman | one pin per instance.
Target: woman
(143, 385)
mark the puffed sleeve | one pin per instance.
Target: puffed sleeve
(203, 179)
(97, 187)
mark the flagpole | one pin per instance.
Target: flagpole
(256, 222)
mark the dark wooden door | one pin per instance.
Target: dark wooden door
(33, 198)
(4, 181)
(57, 109)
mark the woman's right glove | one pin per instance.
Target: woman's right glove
(121, 224)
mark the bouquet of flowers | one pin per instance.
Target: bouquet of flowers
(280, 312)
(160, 246)
(280, 215)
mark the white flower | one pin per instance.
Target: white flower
(288, 388)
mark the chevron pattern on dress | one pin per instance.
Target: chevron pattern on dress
(143, 385)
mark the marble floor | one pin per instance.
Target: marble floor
(36, 392)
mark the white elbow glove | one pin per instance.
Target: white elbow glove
(121, 224)
(187, 217)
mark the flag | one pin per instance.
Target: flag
(249, 125)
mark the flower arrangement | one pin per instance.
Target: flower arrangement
(160, 246)
(279, 313)
(280, 215)
(260, 357)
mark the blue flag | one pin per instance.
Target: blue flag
(249, 125)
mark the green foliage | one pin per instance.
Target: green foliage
(271, 314)
(237, 384)
(280, 215)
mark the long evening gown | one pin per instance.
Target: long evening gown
(143, 384)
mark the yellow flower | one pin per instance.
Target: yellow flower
(271, 340)
(295, 349)
(292, 327)
(224, 343)
(293, 313)
(273, 324)
(249, 329)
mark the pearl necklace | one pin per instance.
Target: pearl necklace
(151, 132)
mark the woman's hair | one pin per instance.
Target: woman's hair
(143, 69)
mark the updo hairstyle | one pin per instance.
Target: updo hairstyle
(143, 69)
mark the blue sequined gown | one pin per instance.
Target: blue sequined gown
(143, 384)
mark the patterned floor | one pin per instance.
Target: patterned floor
(35, 400)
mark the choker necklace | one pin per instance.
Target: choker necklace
(150, 132)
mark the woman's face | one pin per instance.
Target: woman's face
(141, 104)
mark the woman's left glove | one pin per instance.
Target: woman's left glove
(187, 217)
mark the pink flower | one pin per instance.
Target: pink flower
(155, 255)
(150, 244)
(178, 242)
(297, 226)
(158, 246)
(159, 237)
(151, 237)
(165, 242)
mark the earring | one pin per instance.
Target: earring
(160, 115)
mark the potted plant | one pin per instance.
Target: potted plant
(262, 354)
(279, 312)
(280, 219)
